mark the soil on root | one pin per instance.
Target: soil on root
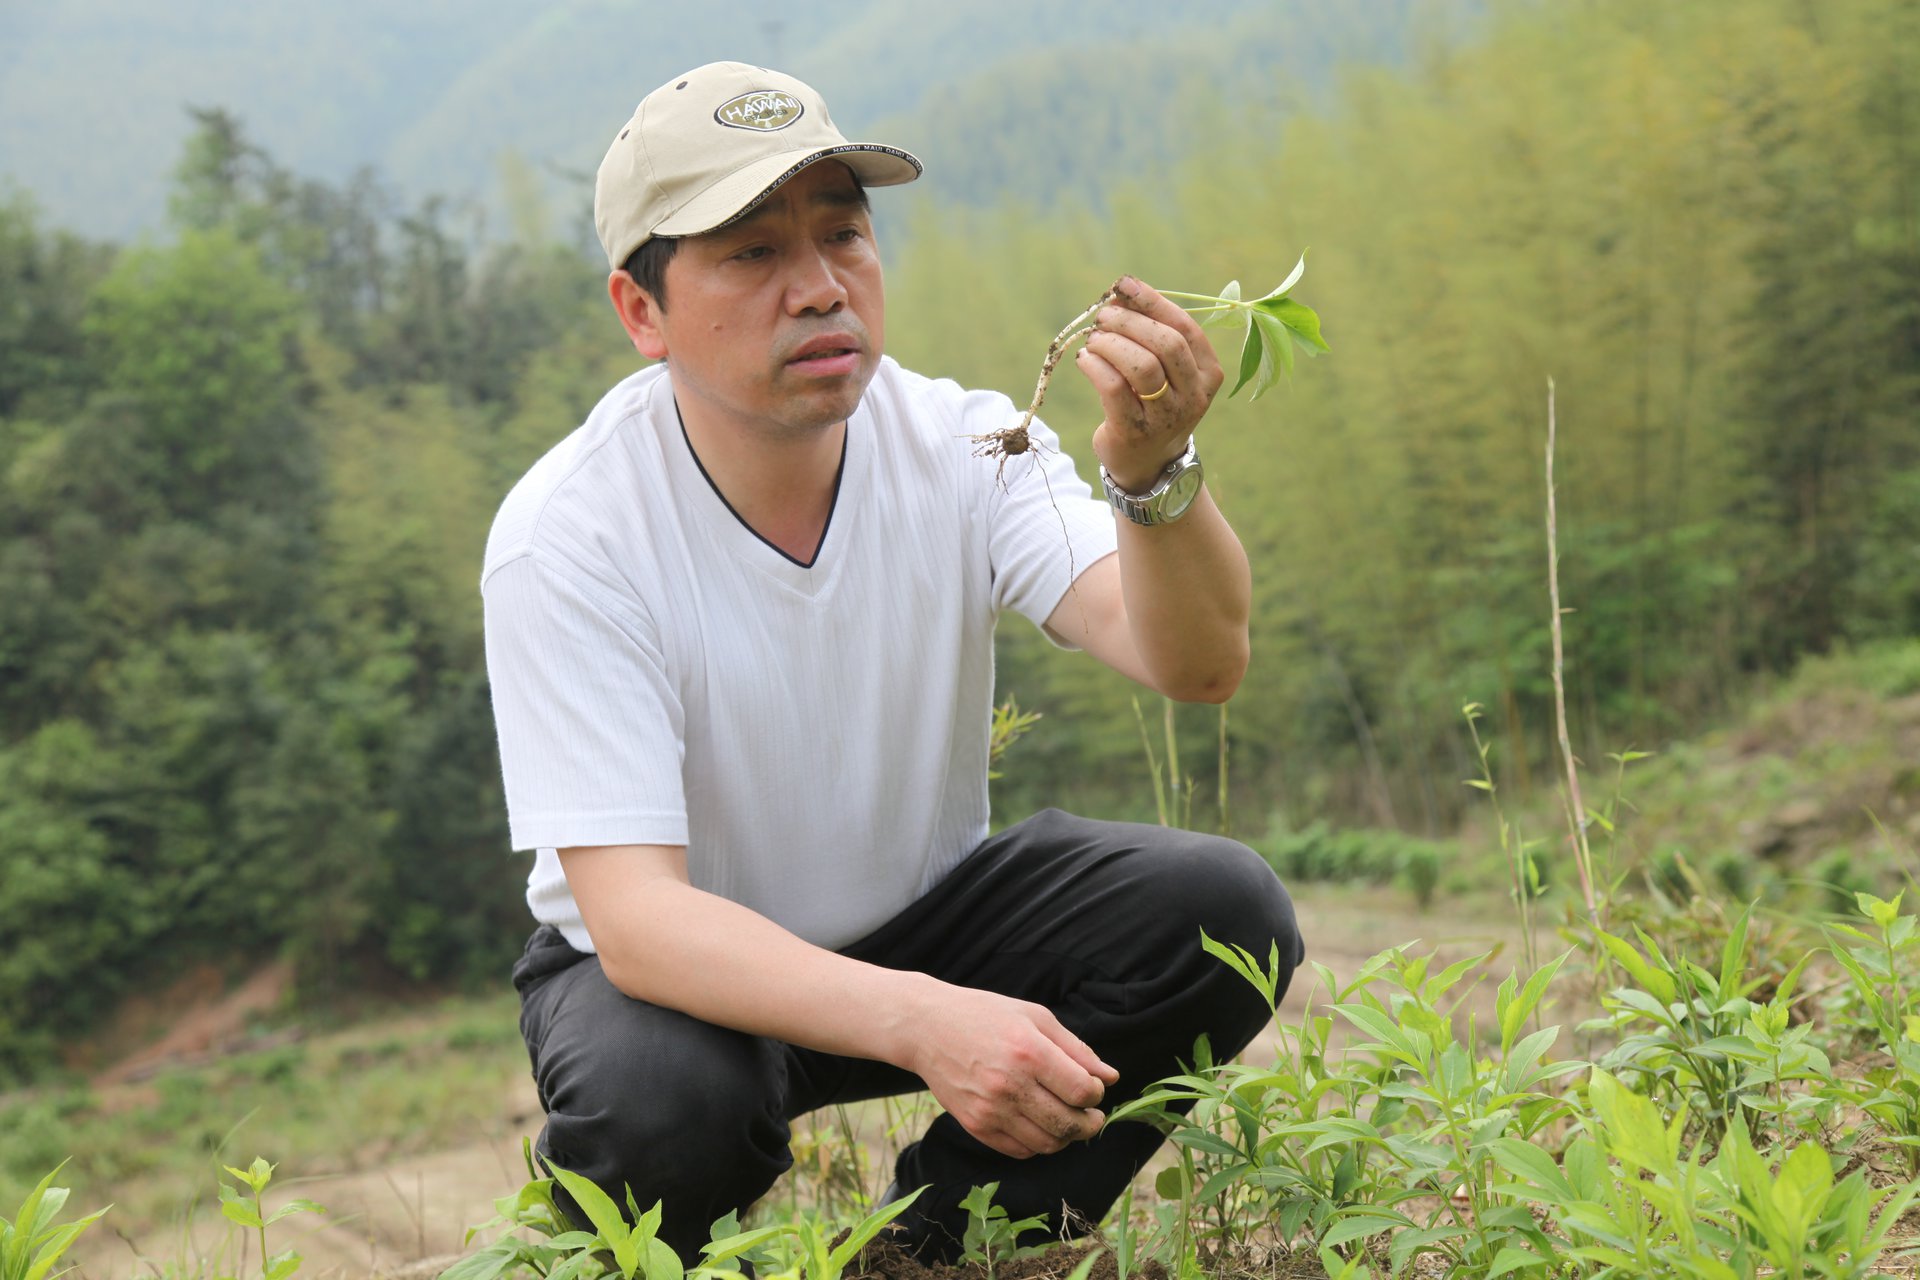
(884, 1260)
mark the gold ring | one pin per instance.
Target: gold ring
(1156, 395)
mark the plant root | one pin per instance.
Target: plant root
(1011, 442)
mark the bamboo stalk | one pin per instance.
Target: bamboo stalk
(1576, 808)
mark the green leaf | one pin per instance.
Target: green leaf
(1801, 1188)
(1654, 981)
(1226, 315)
(1513, 1258)
(1293, 278)
(237, 1207)
(489, 1264)
(605, 1217)
(1515, 1014)
(1274, 342)
(1635, 1135)
(735, 1243)
(1880, 911)
(1734, 955)
(292, 1207)
(867, 1228)
(575, 1267)
(662, 1262)
(1296, 317)
(281, 1265)
(1251, 357)
(1524, 1160)
(1359, 1224)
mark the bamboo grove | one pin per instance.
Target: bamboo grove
(246, 470)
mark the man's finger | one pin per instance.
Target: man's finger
(1079, 1050)
(1043, 1138)
(1075, 1075)
(1158, 342)
(1144, 372)
(1118, 402)
(1140, 296)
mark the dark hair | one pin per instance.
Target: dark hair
(648, 267)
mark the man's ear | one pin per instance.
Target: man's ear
(639, 314)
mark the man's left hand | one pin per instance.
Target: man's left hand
(1141, 343)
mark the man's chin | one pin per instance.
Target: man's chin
(832, 400)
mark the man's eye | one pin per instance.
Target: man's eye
(846, 235)
(753, 254)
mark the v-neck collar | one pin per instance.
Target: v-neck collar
(743, 541)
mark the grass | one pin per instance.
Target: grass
(349, 1100)
(1353, 1145)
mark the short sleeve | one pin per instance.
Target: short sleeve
(591, 731)
(1046, 526)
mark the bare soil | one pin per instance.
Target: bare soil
(884, 1261)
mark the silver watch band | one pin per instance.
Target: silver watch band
(1170, 497)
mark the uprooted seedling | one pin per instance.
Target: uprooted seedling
(1275, 323)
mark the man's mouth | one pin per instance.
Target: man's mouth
(829, 355)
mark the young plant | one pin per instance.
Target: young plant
(1685, 1029)
(566, 1253)
(1881, 966)
(32, 1242)
(991, 1236)
(1275, 324)
(1010, 724)
(822, 1255)
(1346, 1151)
(1630, 1199)
(247, 1211)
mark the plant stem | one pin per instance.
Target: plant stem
(260, 1212)
(1153, 765)
(1079, 327)
(1225, 826)
(1576, 817)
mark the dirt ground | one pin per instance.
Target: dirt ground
(408, 1218)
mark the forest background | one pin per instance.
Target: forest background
(248, 458)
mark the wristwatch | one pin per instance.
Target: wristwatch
(1169, 498)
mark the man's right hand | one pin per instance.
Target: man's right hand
(1005, 1069)
(1009, 1072)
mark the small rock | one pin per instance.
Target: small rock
(1798, 814)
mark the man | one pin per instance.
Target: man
(739, 630)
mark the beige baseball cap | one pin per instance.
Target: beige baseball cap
(706, 147)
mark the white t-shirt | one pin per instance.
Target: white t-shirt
(816, 736)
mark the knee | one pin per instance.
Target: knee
(672, 1108)
(714, 1095)
(1228, 890)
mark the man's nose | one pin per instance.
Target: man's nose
(815, 286)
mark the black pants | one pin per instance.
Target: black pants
(1099, 921)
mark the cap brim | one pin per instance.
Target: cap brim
(741, 192)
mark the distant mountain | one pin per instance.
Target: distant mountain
(999, 94)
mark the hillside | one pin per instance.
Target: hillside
(434, 95)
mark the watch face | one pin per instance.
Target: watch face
(1180, 494)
